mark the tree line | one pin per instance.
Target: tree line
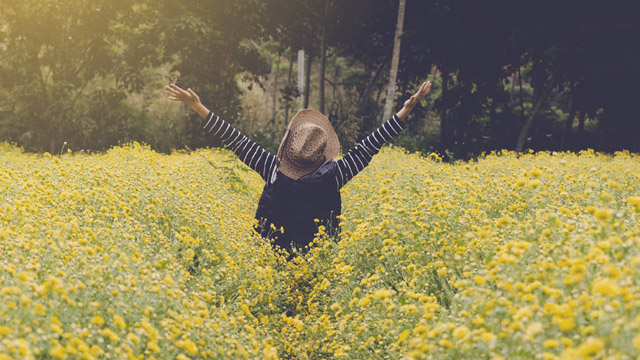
(517, 75)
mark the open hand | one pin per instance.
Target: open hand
(414, 100)
(188, 97)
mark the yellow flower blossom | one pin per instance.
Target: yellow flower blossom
(606, 287)
(603, 214)
(131, 253)
(97, 320)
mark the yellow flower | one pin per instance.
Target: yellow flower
(39, 309)
(603, 214)
(606, 287)
(636, 341)
(58, 352)
(536, 173)
(565, 324)
(97, 320)
(445, 343)
(488, 337)
(382, 293)
(460, 332)
(133, 338)
(534, 183)
(190, 347)
(478, 321)
(479, 280)
(590, 347)
(113, 337)
(403, 336)
(533, 329)
(364, 301)
(119, 321)
(269, 352)
(153, 346)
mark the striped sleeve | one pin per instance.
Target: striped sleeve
(359, 157)
(248, 151)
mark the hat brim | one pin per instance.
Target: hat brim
(331, 150)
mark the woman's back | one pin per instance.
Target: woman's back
(295, 205)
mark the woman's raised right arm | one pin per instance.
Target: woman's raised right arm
(359, 157)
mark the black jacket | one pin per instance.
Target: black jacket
(295, 205)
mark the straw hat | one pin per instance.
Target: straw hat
(309, 143)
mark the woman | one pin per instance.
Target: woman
(302, 181)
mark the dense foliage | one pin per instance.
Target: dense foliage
(544, 75)
(135, 254)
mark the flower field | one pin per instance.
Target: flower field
(133, 254)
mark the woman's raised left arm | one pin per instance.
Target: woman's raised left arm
(252, 154)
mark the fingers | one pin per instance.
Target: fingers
(424, 89)
(180, 90)
(420, 91)
(171, 91)
(174, 89)
(176, 93)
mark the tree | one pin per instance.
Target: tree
(50, 54)
(395, 59)
(211, 42)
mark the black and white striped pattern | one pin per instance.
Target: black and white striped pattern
(252, 154)
(264, 162)
(359, 157)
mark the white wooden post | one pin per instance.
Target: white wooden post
(300, 78)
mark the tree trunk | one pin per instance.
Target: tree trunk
(287, 103)
(323, 59)
(391, 91)
(581, 123)
(266, 99)
(335, 83)
(444, 138)
(580, 135)
(568, 127)
(307, 86)
(52, 145)
(521, 96)
(275, 89)
(378, 93)
(534, 112)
